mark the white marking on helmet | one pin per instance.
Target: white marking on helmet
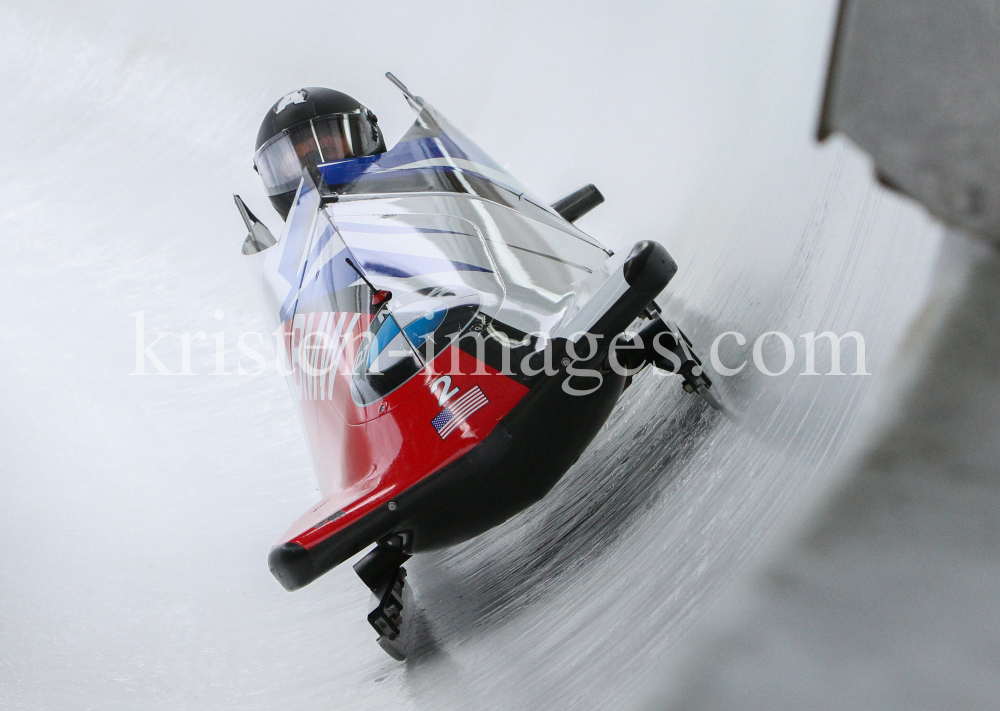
(293, 97)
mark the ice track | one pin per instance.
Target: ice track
(136, 512)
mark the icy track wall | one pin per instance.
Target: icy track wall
(137, 512)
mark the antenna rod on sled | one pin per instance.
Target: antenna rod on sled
(415, 101)
(378, 295)
(361, 274)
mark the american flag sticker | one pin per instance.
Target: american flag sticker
(450, 417)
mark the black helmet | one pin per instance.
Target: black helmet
(305, 128)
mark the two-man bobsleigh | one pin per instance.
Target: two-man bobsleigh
(453, 343)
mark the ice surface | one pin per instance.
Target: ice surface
(137, 512)
(884, 596)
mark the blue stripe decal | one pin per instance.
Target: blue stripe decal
(365, 179)
(297, 234)
(336, 274)
(406, 153)
(410, 265)
(371, 179)
(395, 230)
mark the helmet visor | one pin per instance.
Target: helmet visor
(284, 157)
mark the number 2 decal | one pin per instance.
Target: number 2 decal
(443, 384)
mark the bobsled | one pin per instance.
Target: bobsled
(452, 343)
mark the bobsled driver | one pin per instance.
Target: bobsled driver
(306, 128)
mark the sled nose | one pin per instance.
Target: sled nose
(649, 268)
(645, 273)
(292, 565)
